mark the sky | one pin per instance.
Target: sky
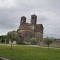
(47, 11)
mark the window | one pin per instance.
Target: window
(32, 17)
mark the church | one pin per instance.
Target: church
(26, 31)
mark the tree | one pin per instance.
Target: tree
(48, 41)
(3, 38)
(33, 41)
(0, 38)
(12, 36)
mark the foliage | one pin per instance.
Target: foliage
(12, 36)
(33, 41)
(48, 41)
(3, 38)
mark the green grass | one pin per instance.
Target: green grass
(29, 53)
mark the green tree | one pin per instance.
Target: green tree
(0, 38)
(48, 41)
(3, 38)
(33, 41)
(12, 36)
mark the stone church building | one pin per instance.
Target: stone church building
(30, 30)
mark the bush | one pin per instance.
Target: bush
(33, 41)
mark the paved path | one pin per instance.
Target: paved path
(28, 45)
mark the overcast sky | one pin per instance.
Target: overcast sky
(47, 11)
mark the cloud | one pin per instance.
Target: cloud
(47, 11)
(7, 3)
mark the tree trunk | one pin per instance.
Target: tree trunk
(48, 47)
(11, 44)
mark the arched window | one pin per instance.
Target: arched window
(32, 17)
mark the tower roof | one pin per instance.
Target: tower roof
(33, 15)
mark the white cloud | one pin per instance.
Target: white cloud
(47, 11)
(7, 3)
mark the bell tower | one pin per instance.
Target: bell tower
(33, 19)
(23, 20)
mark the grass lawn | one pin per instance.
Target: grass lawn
(29, 53)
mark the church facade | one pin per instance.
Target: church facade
(30, 30)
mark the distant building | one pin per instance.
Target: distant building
(56, 42)
(30, 30)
